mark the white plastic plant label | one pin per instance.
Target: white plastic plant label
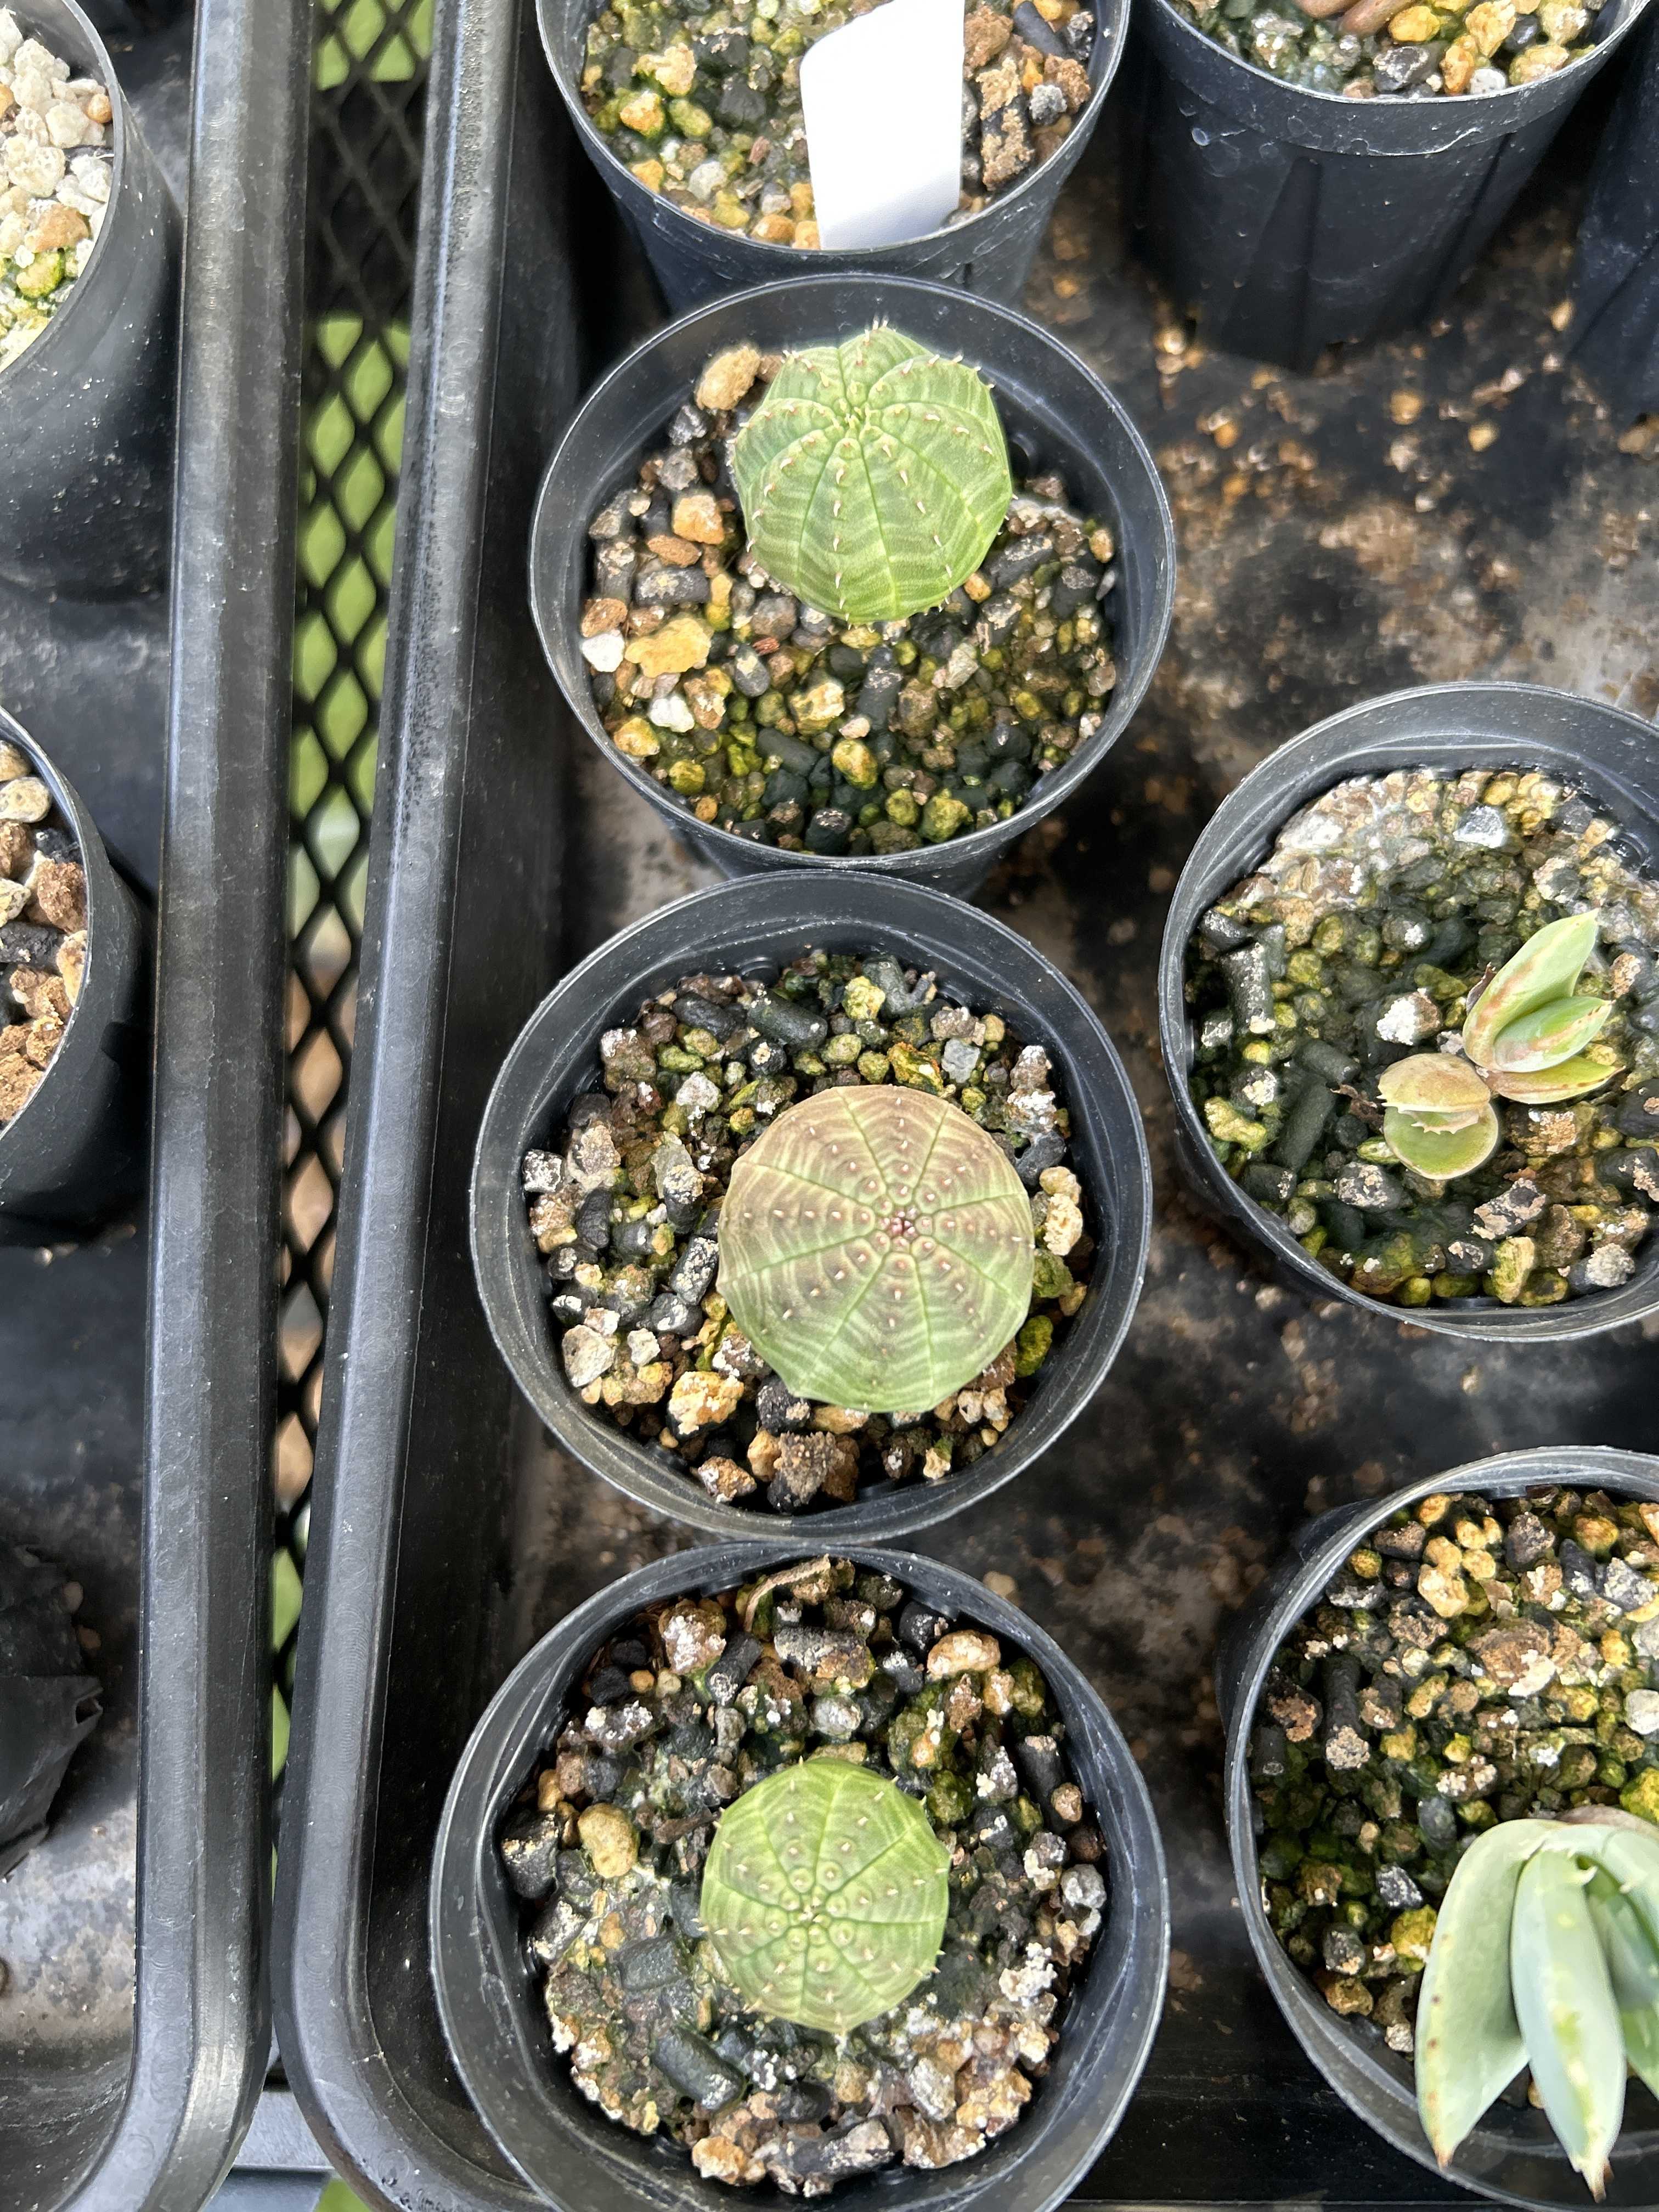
(882, 103)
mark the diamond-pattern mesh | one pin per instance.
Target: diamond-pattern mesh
(367, 93)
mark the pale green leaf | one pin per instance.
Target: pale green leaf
(1633, 1962)
(1433, 1083)
(1550, 1035)
(1547, 966)
(1468, 2039)
(1573, 1079)
(1569, 2019)
(1441, 1151)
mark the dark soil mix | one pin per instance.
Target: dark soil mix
(1405, 48)
(627, 1209)
(702, 101)
(43, 928)
(693, 1702)
(1358, 942)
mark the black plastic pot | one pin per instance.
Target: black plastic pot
(1512, 2155)
(86, 412)
(1290, 221)
(493, 2018)
(1615, 337)
(76, 1146)
(1054, 411)
(744, 927)
(1607, 753)
(990, 253)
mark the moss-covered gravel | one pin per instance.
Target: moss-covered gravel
(1357, 943)
(770, 718)
(690, 1705)
(1396, 48)
(1474, 1661)
(701, 98)
(626, 1207)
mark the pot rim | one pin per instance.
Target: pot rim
(1488, 1321)
(516, 1722)
(1336, 103)
(639, 1469)
(120, 124)
(1314, 1554)
(615, 171)
(976, 845)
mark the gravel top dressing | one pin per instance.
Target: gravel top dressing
(631, 1922)
(1473, 1663)
(1366, 938)
(43, 928)
(56, 163)
(702, 102)
(784, 724)
(1403, 47)
(627, 1209)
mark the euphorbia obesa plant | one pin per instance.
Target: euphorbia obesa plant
(1525, 1037)
(873, 475)
(1546, 1954)
(824, 1893)
(876, 1248)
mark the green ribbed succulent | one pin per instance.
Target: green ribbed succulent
(1546, 1954)
(873, 475)
(1526, 1037)
(825, 1893)
(876, 1248)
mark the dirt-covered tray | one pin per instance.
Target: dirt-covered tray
(1447, 506)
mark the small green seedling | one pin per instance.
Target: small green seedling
(873, 475)
(1528, 1037)
(825, 1893)
(1546, 1954)
(876, 1248)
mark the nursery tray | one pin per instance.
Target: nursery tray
(138, 1461)
(1341, 534)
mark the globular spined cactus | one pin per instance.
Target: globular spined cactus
(48, 1703)
(876, 1248)
(1527, 1036)
(825, 1893)
(873, 475)
(1546, 1954)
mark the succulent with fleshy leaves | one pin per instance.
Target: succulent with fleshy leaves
(873, 475)
(824, 1893)
(48, 1702)
(1546, 1954)
(1528, 1037)
(876, 1248)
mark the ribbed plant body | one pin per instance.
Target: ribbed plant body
(873, 475)
(876, 1248)
(825, 1893)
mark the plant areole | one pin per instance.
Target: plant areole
(1546, 1954)
(1526, 1038)
(876, 1248)
(825, 1893)
(873, 475)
